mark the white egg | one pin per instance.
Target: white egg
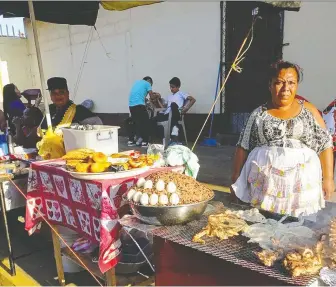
(160, 185)
(163, 199)
(171, 187)
(148, 184)
(137, 196)
(174, 199)
(153, 199)
(130, 193)
(144, 200)
(141, 181)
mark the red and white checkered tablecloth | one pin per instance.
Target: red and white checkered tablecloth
(88, 207)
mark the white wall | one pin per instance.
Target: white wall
(14, 55)
(312, 44)
(162, 40)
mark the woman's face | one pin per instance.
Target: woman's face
(17, 91)
(283, 87)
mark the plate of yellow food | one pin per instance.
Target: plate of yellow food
(91, 165)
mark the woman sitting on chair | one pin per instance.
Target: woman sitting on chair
(177, 103)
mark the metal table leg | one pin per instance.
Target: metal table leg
(5, 223)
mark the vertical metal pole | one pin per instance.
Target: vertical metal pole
(221, 108)
(5, 223)
(39, 61)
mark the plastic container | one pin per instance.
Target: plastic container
(3, 145)
(101, 139)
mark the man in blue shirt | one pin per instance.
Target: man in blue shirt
(139, 114)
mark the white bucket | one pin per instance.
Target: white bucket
(69, 237)
(101, 139)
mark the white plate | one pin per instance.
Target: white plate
(109, 175)
(117, 160)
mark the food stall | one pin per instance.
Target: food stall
(231, 244)
(82, 191)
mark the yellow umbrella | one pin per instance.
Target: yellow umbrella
(124, 5)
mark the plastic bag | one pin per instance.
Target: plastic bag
(51, 146)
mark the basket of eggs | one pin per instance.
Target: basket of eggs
(168, 198)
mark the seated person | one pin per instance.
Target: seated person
(63, 109)
(3, 123)
(178, 103)
(26, 128)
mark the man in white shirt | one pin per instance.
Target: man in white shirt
(178, 103)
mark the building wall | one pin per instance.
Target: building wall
(15, 65)
(162, 40)
(312, 41)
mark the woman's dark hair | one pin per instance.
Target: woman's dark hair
(9, 96)
(175, 82)
(279, 65)
(148, 79)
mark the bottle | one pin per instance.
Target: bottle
(10, 141)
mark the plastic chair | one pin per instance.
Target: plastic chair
(167, 126)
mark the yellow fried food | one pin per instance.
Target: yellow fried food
(99, 167)
(73, 163)
(222, 225)
(119, 155)
(135, 164)
(99, 157)
(78, 154)
(83, 167)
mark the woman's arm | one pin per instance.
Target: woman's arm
(326, 157)
(327, 161)
(238, 163)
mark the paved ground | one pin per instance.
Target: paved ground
(215, 162)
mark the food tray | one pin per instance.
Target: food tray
(235, 250)
(108, 175)
(169, 215)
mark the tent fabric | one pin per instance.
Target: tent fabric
(57, 12)
(124, 5)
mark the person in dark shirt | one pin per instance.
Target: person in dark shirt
(26, 127)
(59, 94)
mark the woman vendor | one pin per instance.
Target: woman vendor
(63, 109)
(284, 161)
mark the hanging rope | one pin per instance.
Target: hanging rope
(235, 66)
(108, 55)
(59, 236)
(88, 42)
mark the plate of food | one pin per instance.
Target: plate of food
(168, 198)
(90, 165)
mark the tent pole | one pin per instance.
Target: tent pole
(39, 61)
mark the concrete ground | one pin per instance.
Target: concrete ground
(215, 162)
(34, 253)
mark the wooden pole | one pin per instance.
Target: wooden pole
(39, 61)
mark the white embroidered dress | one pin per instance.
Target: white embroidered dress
(282, 173)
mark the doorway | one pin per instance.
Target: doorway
(247, 90)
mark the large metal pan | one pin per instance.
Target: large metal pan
(169, 215)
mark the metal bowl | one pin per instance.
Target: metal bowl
(169, 215)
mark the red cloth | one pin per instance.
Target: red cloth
(87, 207)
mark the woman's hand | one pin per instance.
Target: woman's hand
(328, 187)
(17, 121)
